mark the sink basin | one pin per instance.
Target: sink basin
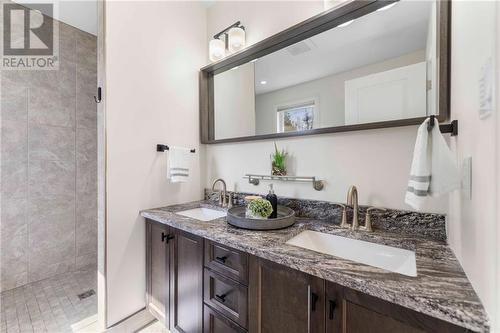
(202, 214)
(386, 257)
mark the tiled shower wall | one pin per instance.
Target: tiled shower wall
(49, 165)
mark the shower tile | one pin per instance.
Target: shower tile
(14, 179)
(14, 141)
(51, 178)
(86, 109)
(51, 142)
(51, 223)
(86, 261)
(55, 105)
(86, 83)
(86, 240)
(14, 102)
(14, 258)
(49, 262)
(14, 222)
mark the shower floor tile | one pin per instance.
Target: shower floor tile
(51, 305)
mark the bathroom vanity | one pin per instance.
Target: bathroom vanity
(207, 276)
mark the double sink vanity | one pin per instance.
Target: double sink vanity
(204, 275)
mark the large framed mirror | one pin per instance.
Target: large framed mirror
(363, 65)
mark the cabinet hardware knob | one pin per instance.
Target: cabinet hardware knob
(221, 298)
(221, 259)
(331, 312)
(314, 300)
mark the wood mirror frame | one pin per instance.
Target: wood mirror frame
(308, 28)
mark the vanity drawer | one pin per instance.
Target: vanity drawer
(226, 261)
(214, 322)
(226, 296)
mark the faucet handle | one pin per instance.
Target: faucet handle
(368, 218)
(230, 200)
(344, 223)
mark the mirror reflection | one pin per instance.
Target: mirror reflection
(379, 67)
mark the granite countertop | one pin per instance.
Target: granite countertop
(441, 288)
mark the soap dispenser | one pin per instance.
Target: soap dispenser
(273, 199)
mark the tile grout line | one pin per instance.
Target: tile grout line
(28, 224)
(76, 148)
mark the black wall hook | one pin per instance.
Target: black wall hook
(451, 128)
(162, 148)
(98, 99)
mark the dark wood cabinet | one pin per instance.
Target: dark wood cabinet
(195, 285)
(187, 283)
(158, 237)
(214, 322)
(227, 261)
(174, 277)
(350, 311)
(226, 296)
(284, 300)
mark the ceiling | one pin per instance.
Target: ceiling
(373, 38)
(81, 14)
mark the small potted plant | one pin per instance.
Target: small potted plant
(278, 162)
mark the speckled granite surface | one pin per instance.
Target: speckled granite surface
(441, 288)
(427, 225)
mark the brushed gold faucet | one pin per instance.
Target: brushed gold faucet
(222, 193)
(352, 201)
(368, 218)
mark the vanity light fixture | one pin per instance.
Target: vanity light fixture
(345, 24)
(216, 49)
(387, 7)
(236, 39)
(229, 40)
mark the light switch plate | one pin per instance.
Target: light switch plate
(467, 177)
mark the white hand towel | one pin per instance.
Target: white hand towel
(434, 170)
(178, 164)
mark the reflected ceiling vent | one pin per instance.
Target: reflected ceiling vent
(301, 47)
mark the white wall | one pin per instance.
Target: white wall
(234, 102)
(473, 225)
(377, 161)
(154, 50)
(328, 91)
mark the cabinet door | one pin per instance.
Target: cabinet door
(283, 300)
(158, 270)
(360, 313)
(187, 283)
(334, 306)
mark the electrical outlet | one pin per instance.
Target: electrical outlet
(467, 177)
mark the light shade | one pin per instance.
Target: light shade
(216, 49)
(236, 37)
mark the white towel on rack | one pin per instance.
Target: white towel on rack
(434, 170)
(178, 164)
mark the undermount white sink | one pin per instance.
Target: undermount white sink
(202, 214)
(386, 257)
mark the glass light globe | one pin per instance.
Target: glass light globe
(216, 49)
(236, 39)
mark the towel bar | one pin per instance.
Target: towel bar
(445, 128)
(162, 148)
